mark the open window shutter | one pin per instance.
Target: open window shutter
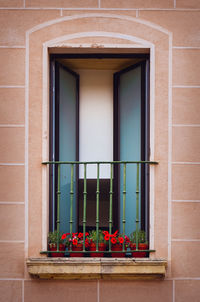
(66, 137)
(129, 137)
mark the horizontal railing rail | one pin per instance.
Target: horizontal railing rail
(85, 164)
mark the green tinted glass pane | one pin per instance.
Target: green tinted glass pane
(130, 139)
(67, 143)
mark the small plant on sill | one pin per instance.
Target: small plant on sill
(116, 238)
(142, 243)
(118, 242)
(76, 239)
(56, 242)
(93, 236)
(75, 243)
(93, 243)
(54, 238)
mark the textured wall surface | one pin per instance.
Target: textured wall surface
(173, 28)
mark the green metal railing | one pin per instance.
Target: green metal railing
(73, 165)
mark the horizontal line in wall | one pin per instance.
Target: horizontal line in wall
(11, 202)
(185, 163)
(11, 126)
(170, 9)
(30, 8)
(127, 9)
(185, 47)
(185, 86)
(100, 8)
(12, 164)
(11, 241)
(185, 125)
(169, 279)
(13, 46)
(186, 240)
(182, 278)
(12, 279)
(12, 86)
(177, 200)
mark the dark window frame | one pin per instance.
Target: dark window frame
(145, 141)
(145, 125)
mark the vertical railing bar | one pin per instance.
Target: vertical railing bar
(53, 196)
(124, 202)
(137, 206)
(58, 208)
(111, 200)
(53, 145)
(71, 200)
(84, 204)
(97, 209)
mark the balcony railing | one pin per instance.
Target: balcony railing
(56, 165)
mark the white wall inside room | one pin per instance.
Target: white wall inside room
(96, 120)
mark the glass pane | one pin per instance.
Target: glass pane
(67, 143)
(130, 139)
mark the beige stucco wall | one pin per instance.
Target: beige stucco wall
(170, 29)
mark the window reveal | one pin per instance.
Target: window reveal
(130, 142)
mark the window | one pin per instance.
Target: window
(99, 112)
(76, 80)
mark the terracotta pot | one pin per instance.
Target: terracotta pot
(141, 246)
(102, 247)
(117, 247)
(77, 248)
(53, 247)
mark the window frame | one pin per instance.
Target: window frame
(145, 137)
(145, 96)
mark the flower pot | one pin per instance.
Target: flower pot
(141, 246)
(101, 247)
(117, 247)
(53, 247)
(77, 248)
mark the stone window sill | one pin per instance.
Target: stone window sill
(97, 268)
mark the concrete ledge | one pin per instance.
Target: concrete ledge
(97, 268)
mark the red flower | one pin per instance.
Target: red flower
(80, 235)
(86, 234)
(86, 242)
(107, 237)
(113, 240)
(105, 232)
(115, 233)
(64, 236)
(121, 240)
(127, 239)
(74, 241)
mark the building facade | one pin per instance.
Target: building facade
(168, 32)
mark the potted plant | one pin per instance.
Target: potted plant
(56, 242)
(75, 243)
(118, 242)
(142, 244)
(93, 242)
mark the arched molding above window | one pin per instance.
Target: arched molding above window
(94, 32)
